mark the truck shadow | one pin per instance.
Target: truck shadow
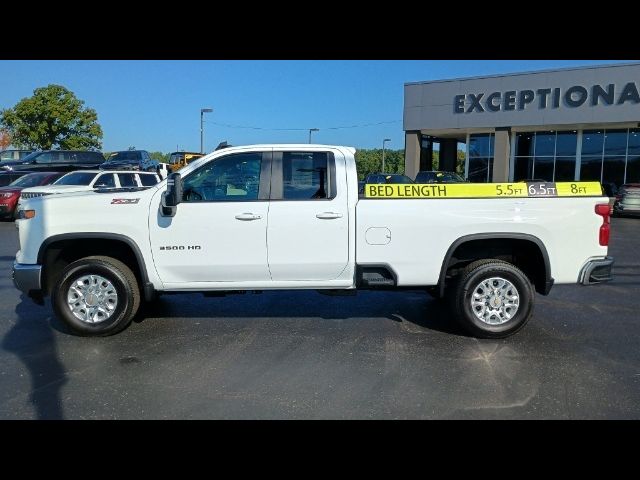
(415, 307)
(32, 340)
(626, 274)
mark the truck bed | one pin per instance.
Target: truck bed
(408, 234)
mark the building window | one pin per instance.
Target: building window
(546, 156)
(633, 157)
(480, 168)
(610, 156)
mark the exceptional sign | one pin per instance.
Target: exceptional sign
(484, 190)
(542, 98)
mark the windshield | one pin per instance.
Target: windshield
(128, 156)
(31, 180)
(76, 178)
(174, 158)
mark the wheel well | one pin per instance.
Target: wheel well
(60, 253)
(526, 254)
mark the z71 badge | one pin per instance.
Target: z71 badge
(124, 201)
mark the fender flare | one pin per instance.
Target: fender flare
(489, 236)
(147, 286)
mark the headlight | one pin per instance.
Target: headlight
(26, 214)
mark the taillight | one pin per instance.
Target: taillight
(604, 210)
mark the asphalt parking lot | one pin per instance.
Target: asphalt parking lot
(304, 355)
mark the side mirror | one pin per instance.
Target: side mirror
(173, 196)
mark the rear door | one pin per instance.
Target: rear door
(308, 231)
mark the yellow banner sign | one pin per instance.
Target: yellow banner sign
(484, 190)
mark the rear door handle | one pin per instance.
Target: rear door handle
(247, 217)
(328, 215)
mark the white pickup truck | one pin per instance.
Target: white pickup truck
(290, 217)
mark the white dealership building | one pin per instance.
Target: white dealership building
(551, 125)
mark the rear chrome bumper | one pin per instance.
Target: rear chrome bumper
(596, 271)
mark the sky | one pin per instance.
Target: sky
(155, 105)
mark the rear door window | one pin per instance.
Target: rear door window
(148, 180)
(67, 157)
(127, 180)
(46, 157)
(307, 176)
(106, 180)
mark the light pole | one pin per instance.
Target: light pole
(383, 143)
(312, 130)
(202, 112)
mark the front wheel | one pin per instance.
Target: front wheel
(96, 296)
(492, 299)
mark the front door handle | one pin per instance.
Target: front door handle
(328, 215)
(247, 217)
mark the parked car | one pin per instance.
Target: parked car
(56, 161)
(437, 176)
(6, 178)
(87, 180)
(377, 178)
(627, 200)
(11, 155)
(10, 194)
(131, 160)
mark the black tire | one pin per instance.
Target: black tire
(464, 287)
(123, 280)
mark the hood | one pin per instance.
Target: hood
(58, 189)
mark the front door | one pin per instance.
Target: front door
(219, 231)
(308, 232)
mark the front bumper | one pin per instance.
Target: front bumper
(596, 271)
(27, 278)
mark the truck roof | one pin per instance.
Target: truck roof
(301, 146)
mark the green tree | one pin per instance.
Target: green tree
(52, 118)
(460, 162)
(159, 156)
(370, 161)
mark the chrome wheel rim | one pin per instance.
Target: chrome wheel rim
(92, 299)
(495, 301)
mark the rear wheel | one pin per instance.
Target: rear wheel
(96, 296)
(492, 299)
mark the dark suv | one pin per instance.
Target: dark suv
(56, 161)
(131, 160)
